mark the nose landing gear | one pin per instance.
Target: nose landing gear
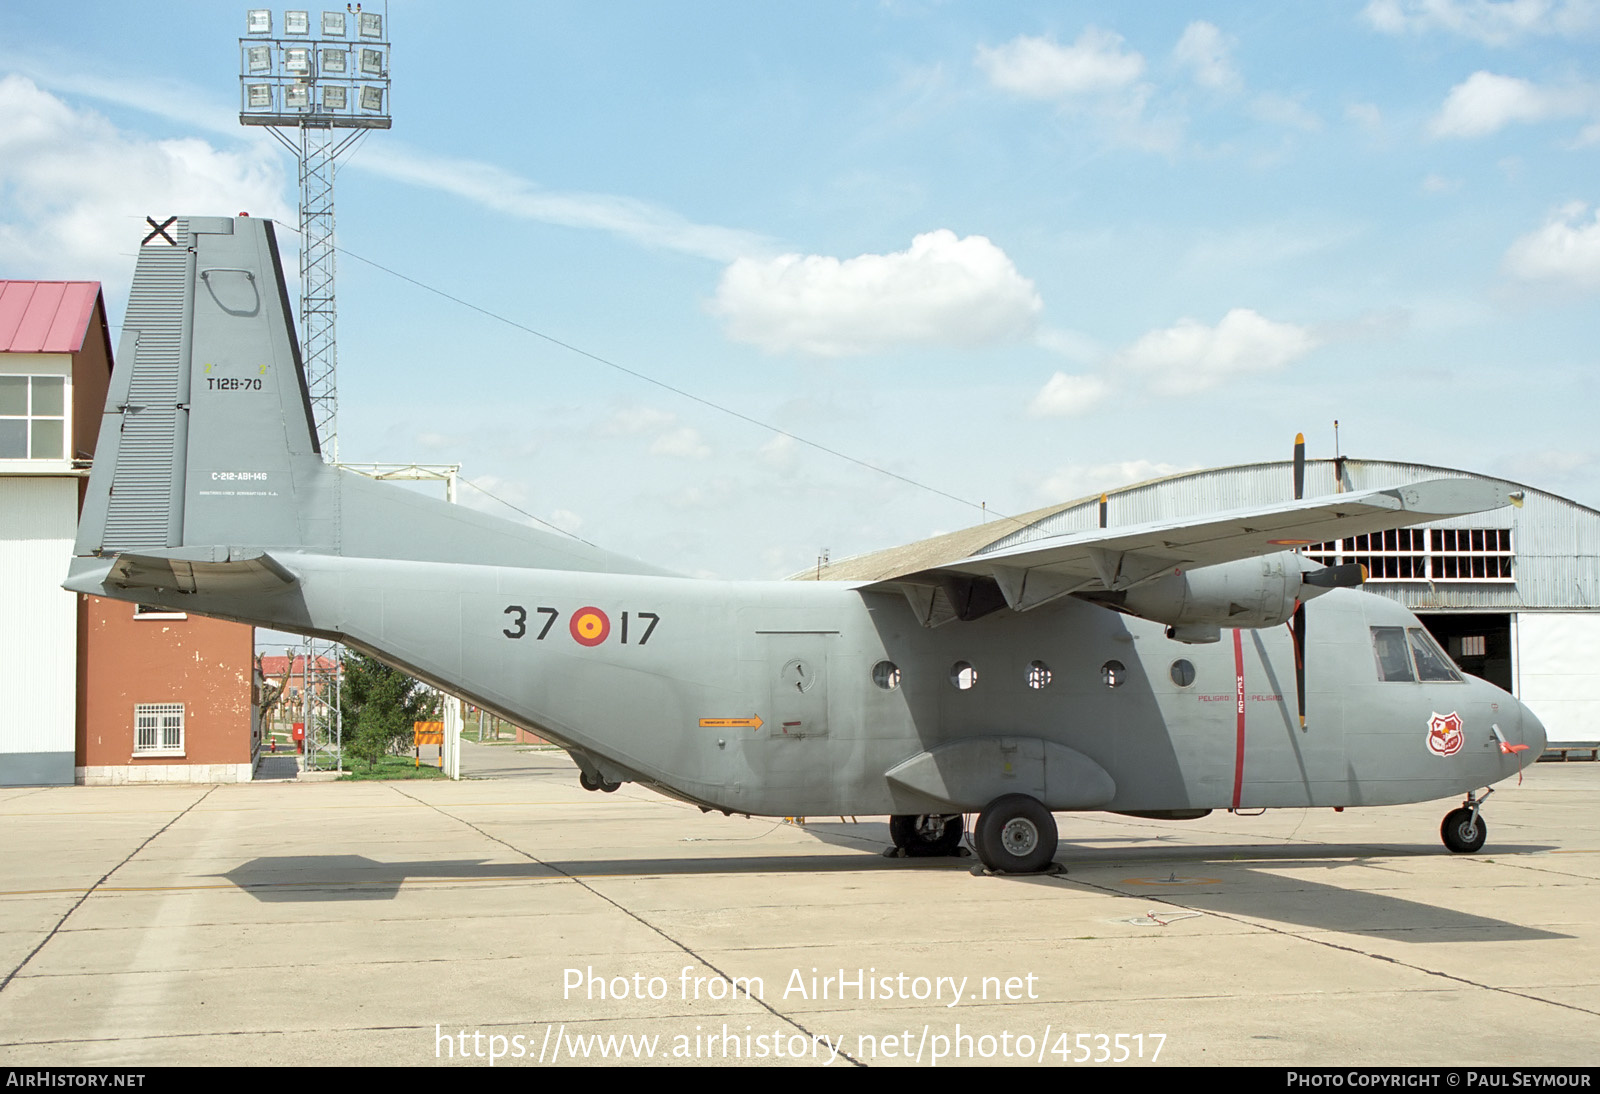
(1463, 830)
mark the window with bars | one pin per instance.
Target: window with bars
(1424, 554)
(158, 729)
(33, 418)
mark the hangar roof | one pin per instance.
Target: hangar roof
(46, 316)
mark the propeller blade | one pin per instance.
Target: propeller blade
(1347, 576)
(1299, 466)
(1299, 632)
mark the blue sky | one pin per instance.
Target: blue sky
(1017, 253)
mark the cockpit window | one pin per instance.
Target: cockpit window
(1432, 664)
(1389, 647)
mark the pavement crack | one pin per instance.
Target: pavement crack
(1258, 925)
(90, 891)
(630, 913)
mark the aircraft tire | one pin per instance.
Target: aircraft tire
(585, 782)
(1016, 835)
(906, 831)
(1461, 833)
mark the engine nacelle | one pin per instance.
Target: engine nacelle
(1252, 592)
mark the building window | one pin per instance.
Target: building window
(33, 418)
(1424, 554)
(158, 729)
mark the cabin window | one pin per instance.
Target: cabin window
(1432, 663)
(886, 674)
(963, 676)
(1182, 672)
(1112, 673)
(1389, 648)
(1039, 675)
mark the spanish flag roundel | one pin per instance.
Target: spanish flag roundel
(590, 626)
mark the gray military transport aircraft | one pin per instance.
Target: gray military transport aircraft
(1140, 670)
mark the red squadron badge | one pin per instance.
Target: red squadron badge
(1444, 734)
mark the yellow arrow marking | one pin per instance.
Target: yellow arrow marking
(754, 722)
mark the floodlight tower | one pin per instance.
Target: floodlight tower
(332, 88)
(317, 85)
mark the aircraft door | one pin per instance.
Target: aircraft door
(797, 667)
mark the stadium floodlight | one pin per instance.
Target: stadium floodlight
(333, 61)
(297, 61)
(258, 97)
(297, 97)
(258, 21)
(370, 24)
(372, 99)
(335, 97)
(259, 59)
(333, 24)
(297, 22)
(372, 62)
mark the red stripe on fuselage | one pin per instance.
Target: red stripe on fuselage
(1238, 702)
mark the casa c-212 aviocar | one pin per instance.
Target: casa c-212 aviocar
(209, 494)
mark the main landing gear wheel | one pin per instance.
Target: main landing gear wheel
(1463, 831)
(596, 783)
(1016, 835)
(926, 835)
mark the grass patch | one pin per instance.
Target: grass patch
(390, 768)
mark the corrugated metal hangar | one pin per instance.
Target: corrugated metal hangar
(1512, 594)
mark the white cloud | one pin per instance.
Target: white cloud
(484, 184)
(1191, 357)
(1205, 51)
(633, 420)
(505, 192)
(1366, 115)
(1566, 248)
(684, 443)
(1086, 480)
(1486, 102)
(1038, 68)
(1493, 22)
(1065, 396)
(74, 189)
(1277, 109)
(941, 291)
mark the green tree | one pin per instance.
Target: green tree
(379, 703)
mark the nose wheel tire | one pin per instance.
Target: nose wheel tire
(1016, 835)
(928, 835)
(1462, 832)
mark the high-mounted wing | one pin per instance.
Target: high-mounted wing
(1026, 575)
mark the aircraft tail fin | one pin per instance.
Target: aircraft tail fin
(208, 463)
(207, 425)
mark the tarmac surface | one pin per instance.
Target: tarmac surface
(434, 922)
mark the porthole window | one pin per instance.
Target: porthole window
(1039, 675)
(886, 674)
(1182, 672)
(963, 676)
(1112, 673)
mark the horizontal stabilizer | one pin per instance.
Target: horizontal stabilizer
(221, 571)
